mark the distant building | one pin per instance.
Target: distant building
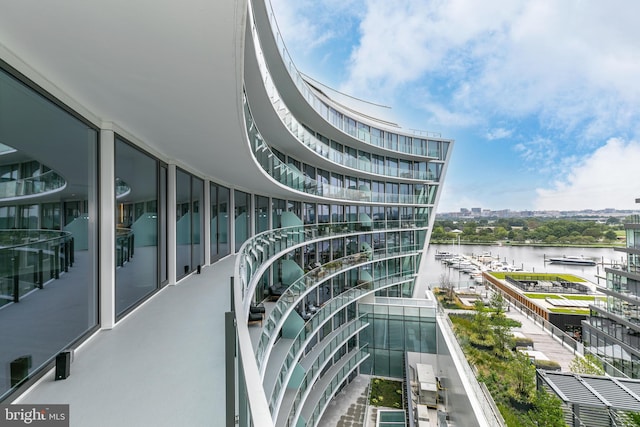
(613, 329)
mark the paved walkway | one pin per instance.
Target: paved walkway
(347, 408)
(163, 365)
(542, 340)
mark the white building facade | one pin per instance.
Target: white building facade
(134, 155)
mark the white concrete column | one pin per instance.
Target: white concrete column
(107, 241)
(206, 212)
(171, 224)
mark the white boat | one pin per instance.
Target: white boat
(444, 255)
(572, 260)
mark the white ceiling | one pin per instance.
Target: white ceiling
(167, 72)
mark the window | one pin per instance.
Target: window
(137, 226)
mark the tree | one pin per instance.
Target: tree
(589, 364)
(522, 375)
(446, 285)
(594, 232)
(481, 324)
(547, 411)
(612, 220)
(500, 233)
(610, 235)
(438, 233)
(497, 303)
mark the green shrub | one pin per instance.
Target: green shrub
(523, 342)
(549, 365)
(385, 392)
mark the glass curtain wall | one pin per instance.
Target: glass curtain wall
(48, 263)
(197, 246)
(137, 225)
(242, 217)
(189, 196)
(262, 214)
(392, 331)
(219, 221)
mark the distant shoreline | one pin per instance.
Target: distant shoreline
(541, 244)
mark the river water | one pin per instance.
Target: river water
(529, 258)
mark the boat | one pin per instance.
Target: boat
(444, 255)
(572, 260)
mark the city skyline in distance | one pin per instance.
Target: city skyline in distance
(477, 212)
(540, 96)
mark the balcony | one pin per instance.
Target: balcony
(423, 142)
(298, 289)
(34, 186)
(293, 178)
(30, 258)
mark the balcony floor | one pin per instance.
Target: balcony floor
(163, 365)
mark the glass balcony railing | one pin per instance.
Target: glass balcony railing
(342, 372)
(48, 182)
(122, 188)
(326, 312)
(30, 258)
(421, 145)
(427, 171)
(296, 291)
(329, 347)
(257, 251)
(253, 256)
(293, 178)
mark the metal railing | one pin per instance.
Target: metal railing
(351, 126)
(47, 182)
(29, 258)
(296, 291)
(559, 335)
(487, 404)
(293, 178)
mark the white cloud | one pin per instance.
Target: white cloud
(499, 133)
(605, 179)
(573, 63)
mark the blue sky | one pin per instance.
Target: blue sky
(541, 96)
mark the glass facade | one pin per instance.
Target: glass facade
(242, 217)
(48, 220)
(139, 218)
(189, 198)
(347, 222)
(612, 332)
(219, 212)
(393, 330)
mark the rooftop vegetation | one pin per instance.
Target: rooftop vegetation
(523, 275)
(487, 342)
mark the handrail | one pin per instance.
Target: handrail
(246, 265)
(263, 246)
(343, 372)
(558, 334)
(312, 373)
(310, 139)
(318, 104)
(28, 233)
(26, 255)
(487, 404)
(298, 289)
(298, 181)
(47, 182)
(298, 344)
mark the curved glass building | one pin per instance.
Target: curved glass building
(145, 144)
